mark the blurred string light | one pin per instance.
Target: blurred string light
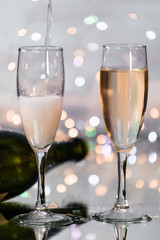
(71, 30)
(73, 132)
(102, 26)
(152, 136)
(90, 131)
(106, 150)
(152, 158)
(154, 113)
(22, 32)
(79, 52)
(61, 188)
(132, 159)
(69, 123)
(92, 46)
(63, 115)
(78, 61)
(71, 179)
(101, 190)
(140, 184)
(11, 116)
(133, 16)
(11, 66)
(142, 158)
(153, 184)
(101, 139)
(93, 179)
(151, 35)
(80, 81)
(133, 151)
(90, 20)
(36, 37)
(16, 119)
(94, 121)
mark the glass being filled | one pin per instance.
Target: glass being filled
(40, 94)
(123, 90)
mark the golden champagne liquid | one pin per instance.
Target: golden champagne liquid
(124, 99)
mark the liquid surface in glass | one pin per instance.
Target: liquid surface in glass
(123, 99)
(40, 117)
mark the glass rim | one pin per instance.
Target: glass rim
(39, 48)
(123, 45)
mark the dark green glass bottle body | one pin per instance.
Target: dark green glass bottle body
(18, 170)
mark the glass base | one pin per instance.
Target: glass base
(42, 218)
(121, 216)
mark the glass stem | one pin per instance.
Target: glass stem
(121, 200)
(41, 199)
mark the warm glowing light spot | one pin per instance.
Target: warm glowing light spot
(154, 112)
(110, 158)
(100, 159)
(10, 115)
(16, 119)
(69, 123)
(128, 173)
(53, 205)
(63, 115)
(101, 190)
(68, 171)
(59, 135)
(101, 139)
(79, 52)
(11, 66)
(73, 132)
(139, 184)
(98, 149)
(71, 30)
(61, 188)
(153, 184)
(133, 16)
(22, 32)
(143, 127)
(142, 158)
(70, 179)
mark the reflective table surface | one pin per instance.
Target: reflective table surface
(90, 186)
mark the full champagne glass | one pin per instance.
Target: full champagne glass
(124, 90)
(40, 93)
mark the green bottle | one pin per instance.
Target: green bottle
(18, 170)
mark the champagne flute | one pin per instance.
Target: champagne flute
(124, 90)
(40, 90)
